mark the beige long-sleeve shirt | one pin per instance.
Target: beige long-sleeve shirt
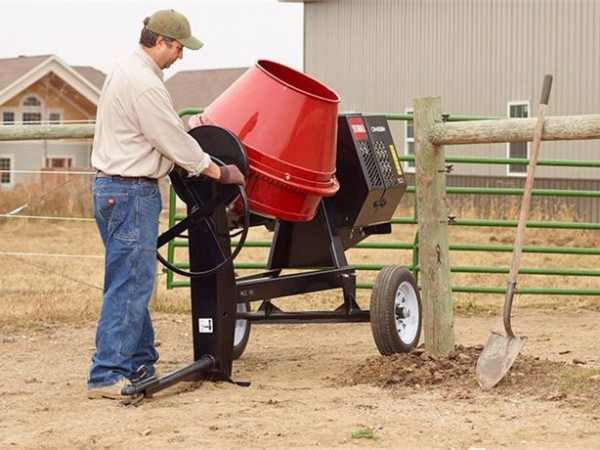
(138, 133)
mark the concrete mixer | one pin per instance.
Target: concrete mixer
(322, 182)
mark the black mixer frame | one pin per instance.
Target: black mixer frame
(311, 253)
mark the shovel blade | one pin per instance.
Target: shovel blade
(496, 358)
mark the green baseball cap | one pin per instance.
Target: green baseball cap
(174, 25)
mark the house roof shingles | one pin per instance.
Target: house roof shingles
(188, 89)
(199, 88)
(94, 76)
(14, 68)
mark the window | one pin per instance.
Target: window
(8, 117)
(58, 163)
(5, 167)
(518, 149)
(409, 143)
(31, 110)
(30, 118)
(31, 101)
(54, 117)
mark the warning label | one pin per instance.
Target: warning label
(205, 325)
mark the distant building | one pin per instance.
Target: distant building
(483, 57)
(44, 89)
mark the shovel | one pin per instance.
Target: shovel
(500, 352)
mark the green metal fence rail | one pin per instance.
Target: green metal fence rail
(412, 220)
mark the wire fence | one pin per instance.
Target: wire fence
(26, 210)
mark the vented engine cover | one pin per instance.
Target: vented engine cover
(367, 168)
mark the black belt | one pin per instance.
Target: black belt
(119, 177)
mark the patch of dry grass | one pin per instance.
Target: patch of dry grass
(53, 195)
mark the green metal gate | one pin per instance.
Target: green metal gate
(413, 245)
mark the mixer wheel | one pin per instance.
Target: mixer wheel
(395, 311)
(242, 332)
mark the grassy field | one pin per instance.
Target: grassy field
(52, 270)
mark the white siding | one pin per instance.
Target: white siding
(30, 155)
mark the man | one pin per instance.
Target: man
(138, 139)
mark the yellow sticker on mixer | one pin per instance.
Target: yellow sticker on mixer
(395, 158)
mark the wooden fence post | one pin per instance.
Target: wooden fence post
(434, 266)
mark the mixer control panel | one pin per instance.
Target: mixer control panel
(368, 170)
(385, 151)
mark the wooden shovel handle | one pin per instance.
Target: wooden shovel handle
(525, 207)
(546, 90)
(526, 201)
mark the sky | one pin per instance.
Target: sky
(236, 33)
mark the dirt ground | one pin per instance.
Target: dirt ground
(315, 386)
(311, 385)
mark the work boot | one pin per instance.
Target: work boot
(113, 391)
(143, 373)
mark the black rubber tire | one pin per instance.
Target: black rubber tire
(242, 332)
(395, 288)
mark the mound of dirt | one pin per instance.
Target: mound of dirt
(418, 368)
(544, 379)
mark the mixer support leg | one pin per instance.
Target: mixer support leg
(214, 298)
(214, 308)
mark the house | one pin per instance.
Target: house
(483, 58)
(45, 89)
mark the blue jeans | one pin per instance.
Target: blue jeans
(126, 213)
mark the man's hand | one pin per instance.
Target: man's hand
(193, 122)
(230, 174)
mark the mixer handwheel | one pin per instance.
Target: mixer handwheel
(224, 148)
(395, 311)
